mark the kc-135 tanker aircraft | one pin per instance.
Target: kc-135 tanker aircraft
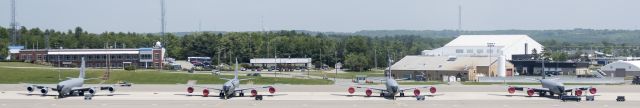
(391, 88)
(71, 86)
(230, 88)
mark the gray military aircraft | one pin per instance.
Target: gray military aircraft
(552, 87)
(392, 88)
(71, 86)
(230, 88)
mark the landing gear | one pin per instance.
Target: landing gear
(241, 94)
(258, 97)
(542, 94)
(551, 94)
(81, 93)
(222, 96)
(420, 97)
(401, 94)
(381, 94)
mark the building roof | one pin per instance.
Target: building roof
(91, 51)
(627, 65)
(440, 63)
(482, 40)
(280, 60)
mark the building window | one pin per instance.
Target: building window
(145, 56)
(469, 50)
(459, 51)
(479, 51)
(156, 56)
(489, 51)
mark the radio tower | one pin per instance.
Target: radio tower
(162, 20)
(459, 19)
(14, 28)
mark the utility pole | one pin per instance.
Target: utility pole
(459, 19)
(375, 58)
(46, 40)
(162, 19)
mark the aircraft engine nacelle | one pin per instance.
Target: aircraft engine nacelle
(416, 92)
(30, 89)
(92, 91)
(530, 92)
(111, 89)
(593, 90)
(205, 93)
(254, 93)
(432, 90)
(368, 92)
(511, 90)
(190, 90)
(578, 92)
(44, 91)
(272, 90)
(351, 90)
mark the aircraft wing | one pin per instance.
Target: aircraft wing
(39, 86)
(207, 87)
(80, 88)
(263, 87)
(577, 88)
(192, 83)
(527, 88)
(103, 87)
(411, 88)
(372, 88)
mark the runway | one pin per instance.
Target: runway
(315, 96)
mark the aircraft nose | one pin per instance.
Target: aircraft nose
(394, 88)
(561, 89)
(225, 88)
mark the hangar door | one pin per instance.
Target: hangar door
(620, 72)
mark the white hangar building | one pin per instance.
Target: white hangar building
(622, 68)
(479, 45)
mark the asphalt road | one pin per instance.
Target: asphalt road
(315, 96)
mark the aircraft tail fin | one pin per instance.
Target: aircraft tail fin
(236, 70)
(82, 69)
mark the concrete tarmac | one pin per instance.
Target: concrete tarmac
(315, 96)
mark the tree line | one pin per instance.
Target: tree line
(356, 52)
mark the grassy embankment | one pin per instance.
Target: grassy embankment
(16, 72)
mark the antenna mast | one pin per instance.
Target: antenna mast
(14, 28)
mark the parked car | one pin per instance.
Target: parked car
(124, 84)
(636, 80)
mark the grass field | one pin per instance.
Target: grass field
(12, 75)
(347, 75)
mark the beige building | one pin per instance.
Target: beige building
(436, 67)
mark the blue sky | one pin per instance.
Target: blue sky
(323, 15)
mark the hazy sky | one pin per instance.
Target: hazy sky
(323, 15)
